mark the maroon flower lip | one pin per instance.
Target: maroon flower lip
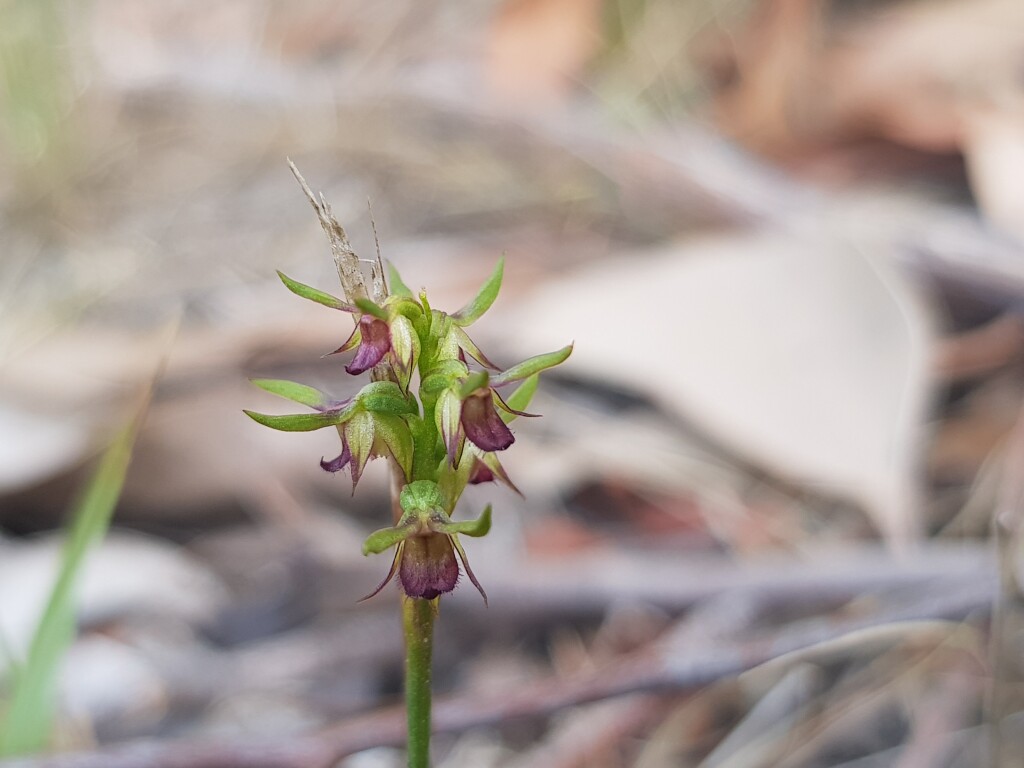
(482, 423)
(339, 462)
(427, 547)
(428, 567)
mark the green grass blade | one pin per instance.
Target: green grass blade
(28, 723)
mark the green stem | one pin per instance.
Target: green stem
(418, 621)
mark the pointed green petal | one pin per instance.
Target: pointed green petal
(403, 305)
(492, 463)
(397, 438)
(470, 348)
(453, 483)
(395, 562)
(520, 399)
(483, 300)
(351, 343)
(531, 366)
(385, 538)
(386, 397)
(300, 422)
(474, 528)
(476, 380)
(442, 376)
(298, 393)
(447, 413)
(444, 330)
(405, 348)
(469, 571)
(359, 433)
(314, 294)
(397, 284)
(367, 306)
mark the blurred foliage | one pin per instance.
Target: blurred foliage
(36, 91)
(647, 71)
(27, 724)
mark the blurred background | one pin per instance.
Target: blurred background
(773, 512)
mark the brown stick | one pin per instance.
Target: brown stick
(345, 259)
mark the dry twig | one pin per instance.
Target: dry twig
(667, 668)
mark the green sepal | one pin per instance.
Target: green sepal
(386, 397)
(395, 434)
(314, 294)
(396, 284)
(405, 346)
(290, 390)
(351, 343)
(385, 538)
(300, 422)
(493, 463)
(452, 482)
(368, 307)
(484, 298)
(443, 329)
(470, 348)
(447, 416)
(465, 564)
(359, 433)
(442, 376)
(403, 305)
(420, 496)
(476, 380)
(531, 366)
(475, 528)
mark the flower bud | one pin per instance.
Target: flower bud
(405, 349)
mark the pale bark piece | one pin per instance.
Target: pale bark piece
(34, 445)
(127, 574)
(806, 357)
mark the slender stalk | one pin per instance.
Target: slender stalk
(418, 621)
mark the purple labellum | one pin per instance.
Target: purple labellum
(482, 424)
(429, 567)
(375, 341)
(339, 462)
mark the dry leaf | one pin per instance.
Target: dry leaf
(162, 579)
(939, 77)
(807, 357)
